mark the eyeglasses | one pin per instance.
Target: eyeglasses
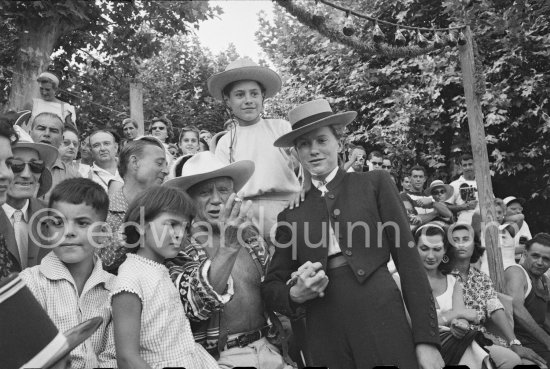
(160, 128)
(377, 163)
(18, 165)
(386, 166)
(439, 192)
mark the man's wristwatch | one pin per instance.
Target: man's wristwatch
(515, 342)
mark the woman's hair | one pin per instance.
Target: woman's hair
(434, 230)
(185, 129)
(478, 249)
(129, 121)
(167, 123)
(151, 203)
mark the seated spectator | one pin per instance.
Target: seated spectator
(440, 193)
(375, 160)
(406, 183)
(174, 151)
(206, 136)
(29, 338)
(423, 203)
(161, 129)
(386, 164)
(453, 317)
(70, 283)
(189, 140)
(142, 164)
(22, 213)
(203, 145)
(130, 129)
(528, 286)
(49, 103)
(104, 168)
(48, 128)
(465, 197)
(480, 295)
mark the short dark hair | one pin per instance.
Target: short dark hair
(227, 89)
(418, 168)
(134, 147)
(167, 122)
(7, 130)
(375, 153)
(478, 249)
(81, 191)
(540, 238)
(153, 202)
(465, 157)
(71, 128)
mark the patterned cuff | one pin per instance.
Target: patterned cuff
(493, 305)
(229, 291)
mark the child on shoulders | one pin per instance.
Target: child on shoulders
(70, 282)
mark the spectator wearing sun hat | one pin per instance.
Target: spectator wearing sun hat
(514, 214)
(243, 87)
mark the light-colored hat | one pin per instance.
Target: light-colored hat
(28, 337)
(439, 183)
(47, 75)
(47, 153)
(215, 139)
(205, 165)
(241, 70)
(511, 199)
(310, 116)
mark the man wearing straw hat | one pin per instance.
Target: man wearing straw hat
(243, 87)
(331, 255)
(219, 272)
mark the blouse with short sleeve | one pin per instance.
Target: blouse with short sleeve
(445, 300)
(165, 337)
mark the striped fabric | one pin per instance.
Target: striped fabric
(54, 288)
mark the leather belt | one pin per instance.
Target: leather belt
(335, 261)
(245, 339)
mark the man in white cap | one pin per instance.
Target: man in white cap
(243, 87)
(21, 215)
(48, 102)
(219, 272)
(331, 255)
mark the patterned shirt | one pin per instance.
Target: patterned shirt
(189, 271)
(114, 253)
(165, 338)
(480, 295)
(55, 289)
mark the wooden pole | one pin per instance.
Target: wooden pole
(136, 105)
(489, 229)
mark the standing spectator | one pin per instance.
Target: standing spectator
(386, 164)
(205, 135)
(161, 129)
(104, 168)
(142, 164)
(354, 314)
(21, 215)
(243, 87)
(375, 160)
(356, 162)
(423, 203)
(48, 128)
(130, 129)
(464, 200)
(48, 102)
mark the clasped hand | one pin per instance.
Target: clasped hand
(311, 281)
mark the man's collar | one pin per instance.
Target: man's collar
(59, 164)
(9, 210)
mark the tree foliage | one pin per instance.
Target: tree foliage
(414, 109)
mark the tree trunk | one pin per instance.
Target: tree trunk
(36, 43)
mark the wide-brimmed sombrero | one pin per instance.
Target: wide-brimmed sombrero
(205, 165)
(244, 69)
(28, 337)
(310, 116)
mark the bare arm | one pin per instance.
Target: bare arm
(515, 287)
(127, 324)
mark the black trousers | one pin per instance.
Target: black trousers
(359, 326)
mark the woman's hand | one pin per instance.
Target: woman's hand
(470, 315)
(459, 328)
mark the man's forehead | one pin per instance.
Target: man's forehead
(101, 136)
(466, 162)
(218, 181)
(49, 121)
(417, 173)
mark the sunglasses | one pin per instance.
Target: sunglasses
(377, 163)
(386, 166)
(439, 192)
(160, 128)
(18, 165)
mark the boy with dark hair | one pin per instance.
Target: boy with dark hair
(70, 283)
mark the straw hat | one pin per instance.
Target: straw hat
(241, 70)
(510, 199)
(28, 337)
(205, 165)
(310, 116)
(439, 183)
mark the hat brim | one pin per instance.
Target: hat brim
(338, 119)
(75, 336)
(47, 153)
(450, 190)
(215, 139)
(268, 78)
(240, 172)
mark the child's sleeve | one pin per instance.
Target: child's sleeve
(127, 282)
(107, 352)
(31, 277)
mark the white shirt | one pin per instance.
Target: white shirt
(102, 176)
(464, 216)
(22, 234)
(333, 245)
